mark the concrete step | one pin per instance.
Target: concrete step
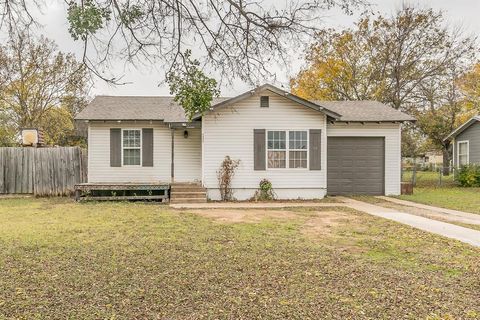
(188, 200)
(188, 192)
(189, 196)
(185, 184)
(187, 189)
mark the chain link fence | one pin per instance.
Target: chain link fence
(428, 176)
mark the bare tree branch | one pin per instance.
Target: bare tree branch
(237, 38)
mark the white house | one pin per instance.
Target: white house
(307, 149)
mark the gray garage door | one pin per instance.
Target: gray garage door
(355, 165)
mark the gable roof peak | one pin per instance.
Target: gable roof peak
(463, 127)
(281, 92)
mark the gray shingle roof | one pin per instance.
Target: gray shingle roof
(368, 111)
(134, 108)
(164, 108)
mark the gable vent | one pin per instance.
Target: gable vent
(264, 101)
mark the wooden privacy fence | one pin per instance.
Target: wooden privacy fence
(42, 171)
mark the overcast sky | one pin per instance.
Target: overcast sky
(145, 81)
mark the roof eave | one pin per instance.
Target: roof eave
(462, 128)
(377, 121)
(96, 119)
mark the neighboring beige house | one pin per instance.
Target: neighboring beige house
(307, 149)
(434, 158)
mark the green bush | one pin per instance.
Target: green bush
(469, 175)
(265, 191)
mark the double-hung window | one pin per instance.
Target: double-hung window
(277, 149)
(131, 147)
(297, 149)
(462, 153)
(287, 154)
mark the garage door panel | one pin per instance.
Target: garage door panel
(355, 165)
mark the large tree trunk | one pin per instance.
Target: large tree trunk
(446, 161)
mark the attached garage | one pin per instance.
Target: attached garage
(356, 165)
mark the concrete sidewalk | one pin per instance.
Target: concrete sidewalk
(254, 205)
(448, 230)
(461, 216)
(445, 229)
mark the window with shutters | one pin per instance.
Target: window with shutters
(287, 154)
(297, 153)
(463, 153)
(277, 149)
(131, 147)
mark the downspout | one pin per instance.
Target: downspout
(172, 165)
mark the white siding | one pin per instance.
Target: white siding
(229, 131)
(188, 155)
(99, 169)
(392, 134)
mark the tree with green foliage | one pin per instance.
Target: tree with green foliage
(470, 84)
(41, 88)
(192, 89)
(8, 133)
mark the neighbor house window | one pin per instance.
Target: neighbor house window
(293, 152)
(131, 146)
(463, 153)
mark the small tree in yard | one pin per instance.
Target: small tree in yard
(225, 176)
(193, 90)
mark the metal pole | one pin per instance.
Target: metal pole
(414, 174)
(172, 167)
(440, 174)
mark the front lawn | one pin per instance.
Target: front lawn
(464, 199)
(60, 259)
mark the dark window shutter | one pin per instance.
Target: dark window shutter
(264, 101)
(315, 149)
(147, 147)
(115, 147)
(259, 149)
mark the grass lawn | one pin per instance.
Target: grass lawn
(60, 259)
(464, 199)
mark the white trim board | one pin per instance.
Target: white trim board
(458, 151)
